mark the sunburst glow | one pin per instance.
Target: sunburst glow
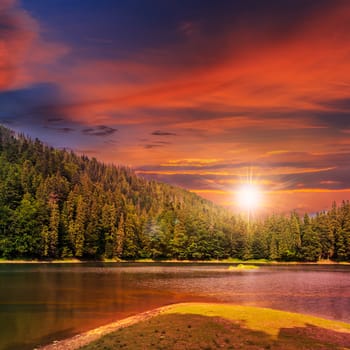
(249, 197)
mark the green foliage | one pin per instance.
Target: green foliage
(26, 233)
(310, 241)
(242, 267)
(55, 204)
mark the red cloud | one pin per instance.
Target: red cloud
(22, 50)
(242, 69)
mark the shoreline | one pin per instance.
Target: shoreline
(228, 261)
(80, 339)
(296, 319)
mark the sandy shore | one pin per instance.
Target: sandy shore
(85, 338)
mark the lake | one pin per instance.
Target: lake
(44, 302)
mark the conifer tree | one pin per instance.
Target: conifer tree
(120, 238)
(53, 229)
(310, 242)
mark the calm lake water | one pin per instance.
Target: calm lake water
(43, 302)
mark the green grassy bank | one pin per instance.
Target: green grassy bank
(218, 326)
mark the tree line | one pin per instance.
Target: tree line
(55, 204)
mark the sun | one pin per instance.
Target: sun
(249, 197)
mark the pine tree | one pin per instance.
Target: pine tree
(77, 227)
(310, 242)
(119, 238)
(323, 227)
(109, 225)
(130, 244)
(26, 231)
(53, 229)
(179, 242)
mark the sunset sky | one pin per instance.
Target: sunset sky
(200, 94)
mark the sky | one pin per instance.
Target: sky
(202, 94)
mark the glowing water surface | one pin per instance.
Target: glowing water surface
(43, 302)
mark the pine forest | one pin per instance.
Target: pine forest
(55, 204)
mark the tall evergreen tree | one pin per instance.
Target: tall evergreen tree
(310, 242)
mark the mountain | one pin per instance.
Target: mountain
(55, 204)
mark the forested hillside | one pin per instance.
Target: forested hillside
(56, 204)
